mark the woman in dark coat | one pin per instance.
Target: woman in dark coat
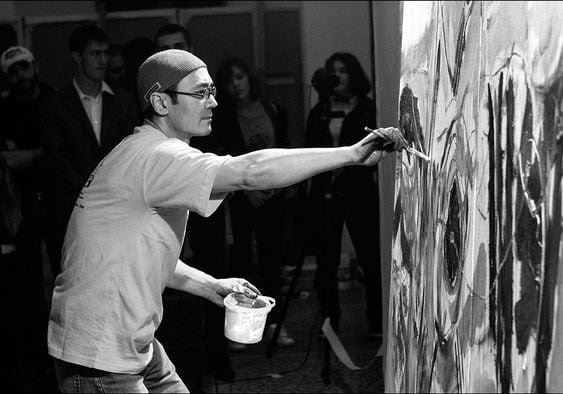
(348, 195)
(245, 123)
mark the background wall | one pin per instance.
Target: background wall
(331, 26)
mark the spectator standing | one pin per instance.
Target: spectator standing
(81, 123)
(246, 123)
(22, 152)
(345, 195)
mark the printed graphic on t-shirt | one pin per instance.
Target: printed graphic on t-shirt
(80, 200)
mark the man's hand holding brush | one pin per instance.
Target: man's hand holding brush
(378, 144)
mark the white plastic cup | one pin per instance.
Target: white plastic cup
(244, 320)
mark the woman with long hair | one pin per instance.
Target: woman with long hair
(246, 123)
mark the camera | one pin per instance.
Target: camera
(324, 83)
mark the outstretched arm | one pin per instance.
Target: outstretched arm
(271, 168)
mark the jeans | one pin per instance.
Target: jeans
(158, 377)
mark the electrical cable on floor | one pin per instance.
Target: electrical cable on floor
(335, 344)
(280, 374)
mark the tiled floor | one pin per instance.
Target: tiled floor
(298, 369)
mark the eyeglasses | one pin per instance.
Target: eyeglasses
(203, 94)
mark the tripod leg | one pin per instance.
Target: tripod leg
(325, 372)
(285, 307)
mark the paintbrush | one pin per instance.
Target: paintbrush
(408, 148)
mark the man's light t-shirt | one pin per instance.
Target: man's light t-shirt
(122, 244)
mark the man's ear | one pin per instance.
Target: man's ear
(159, 103)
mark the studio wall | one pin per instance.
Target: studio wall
(476, 276)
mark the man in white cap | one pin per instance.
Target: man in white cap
(18, 63)
(126, 230)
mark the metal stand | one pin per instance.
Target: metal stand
(325, 372)
(294, 279)
(296, 211)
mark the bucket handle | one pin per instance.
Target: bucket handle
(268, 299)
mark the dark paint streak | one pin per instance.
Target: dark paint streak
(450, 134)
(528, 243)
(528, 249)
(498, 235)
(432, 366)
(492, 221)
(406, 250)
(422, 344)
(435, 92)
(554, 231)
(506, 279)
(409, 118)
(397, 214)
(459, 49)
(452, 238)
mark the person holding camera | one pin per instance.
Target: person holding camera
(344, 195)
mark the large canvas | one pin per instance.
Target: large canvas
(476, 293)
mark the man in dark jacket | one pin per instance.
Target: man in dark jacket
(81, 123)
(22, 155)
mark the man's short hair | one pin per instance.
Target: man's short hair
(83, 36)
(172, 28)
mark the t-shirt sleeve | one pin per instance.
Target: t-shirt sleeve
(179, 176)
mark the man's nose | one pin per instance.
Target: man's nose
(212, 102)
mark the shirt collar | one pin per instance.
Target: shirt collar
(82, 95)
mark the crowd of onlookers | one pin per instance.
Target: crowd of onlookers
(51, 141)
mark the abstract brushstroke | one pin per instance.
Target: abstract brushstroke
(478, 235)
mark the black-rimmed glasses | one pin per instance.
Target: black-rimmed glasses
(203, 94)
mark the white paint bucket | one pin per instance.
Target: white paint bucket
(245, 318)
